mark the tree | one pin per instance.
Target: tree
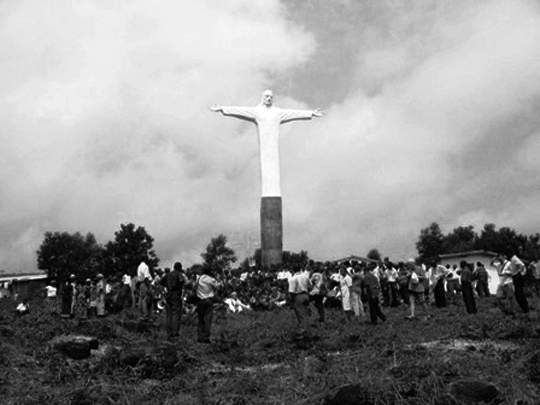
(218, 255)
(293, 260)
(430, 242)
(461, 239)
(131, 246)
(506, 240)
(374, 254)
(62, 254)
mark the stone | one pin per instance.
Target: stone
(162, 353)
(470, 392)
(6, 331)
(353, 394)
(74, 346)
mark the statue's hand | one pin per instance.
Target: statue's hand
(215, 108)
(318, 113)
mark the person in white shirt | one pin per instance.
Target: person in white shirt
(234, 304)
(50, 297)
(345, 289)
(207, 287)
(23, 308)
(392, 276)
(299, 288)
(518, 278)
(505, 289)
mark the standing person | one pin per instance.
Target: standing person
(67, 297)
(345, 284)
(101, 291)
(146, 297)
(534, 268)
(50, 297)
(467, 287)
(318, 293)
(207, 286)
(518, 278)
(143, 272)
(299, 288)
(92, 290)
(481, 276)
(173, 282)
(392, 276)
(81, 301)
(372, 290)
(416, 288)
(403, 282)
(356, 294)
(505, 289)
(438, 273)
(452, 284)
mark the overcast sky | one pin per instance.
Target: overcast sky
(433, 114)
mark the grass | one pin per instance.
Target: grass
(256, 358)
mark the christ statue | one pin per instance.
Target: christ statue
(268, 118)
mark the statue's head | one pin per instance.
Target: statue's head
(267, 98)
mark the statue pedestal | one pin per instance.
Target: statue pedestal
(271, 231)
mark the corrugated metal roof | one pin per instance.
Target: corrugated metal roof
(22, 277)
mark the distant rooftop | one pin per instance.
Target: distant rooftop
(21, 276)
(469, 253)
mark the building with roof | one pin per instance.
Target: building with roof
(354, 258)
(473, 257)
(20, 286)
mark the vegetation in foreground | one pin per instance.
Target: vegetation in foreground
(257, 358)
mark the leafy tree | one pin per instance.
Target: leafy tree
(61, 254)
(131, 246)
(461, 239)
(374, 254)
(291, 260)
(430, 242)
(531, 251)
(218, 255)
(505, 240)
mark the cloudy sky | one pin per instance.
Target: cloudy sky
(433, 114)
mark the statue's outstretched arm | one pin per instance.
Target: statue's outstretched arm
(318, 113)
(243, 113)
(296, 115)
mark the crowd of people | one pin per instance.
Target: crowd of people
(361, 290)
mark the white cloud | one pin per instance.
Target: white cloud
(104, 110)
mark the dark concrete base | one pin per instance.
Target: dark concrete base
(271, 231)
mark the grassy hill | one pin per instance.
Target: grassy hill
(257, 358)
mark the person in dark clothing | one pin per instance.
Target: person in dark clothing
(174, 283)
(467, 288)
(439, 273)
(67, 297)
(481, 276)
(372, 289)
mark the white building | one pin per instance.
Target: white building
(483, 256)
